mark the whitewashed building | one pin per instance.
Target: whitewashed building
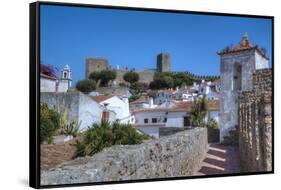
(144, 102)
(55, 84)
(48, 83)
(65, 81)
(170, 114)
(119, 105)
(79, 107)
(209, 89)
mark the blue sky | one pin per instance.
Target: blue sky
(133, 38)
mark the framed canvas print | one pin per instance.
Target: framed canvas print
(120, 94)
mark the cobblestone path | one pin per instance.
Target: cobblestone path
(220, 159)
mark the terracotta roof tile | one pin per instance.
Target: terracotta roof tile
(47, 76)
(142, 99)
(244, 44)
(182, 106)
(101, 98)
(214, 105)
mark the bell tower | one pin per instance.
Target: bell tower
(66, 76)
(237, 65)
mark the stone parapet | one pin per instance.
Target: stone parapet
(255, 124)
(171, 156)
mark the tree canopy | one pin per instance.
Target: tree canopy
(86, 86)
(181, 79)
(162, 81)
(170, 80)
(131, 77)
(102, 77)
(137, 87)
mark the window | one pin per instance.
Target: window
(237, 77)
(186, 121)
(165, 119)
(154, 120)
(145, 120)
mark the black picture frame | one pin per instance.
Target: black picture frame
(34, 93)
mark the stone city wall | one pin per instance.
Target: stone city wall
(144, 76)
(255, 124)
(175, 155)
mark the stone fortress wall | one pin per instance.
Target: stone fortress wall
(145, 76)
(95, 64)
(171, 156)
(99, 64)
(255, 124)
(163, 64)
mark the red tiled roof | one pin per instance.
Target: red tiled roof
(183, 106)
(152, 125)
(244, 44)
(141, 100)
(214, 105)
(47, 76)
(101, 98)
(152, 110)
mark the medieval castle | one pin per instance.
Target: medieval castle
(163, 64)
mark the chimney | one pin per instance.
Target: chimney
(151, 102)
(105, 113)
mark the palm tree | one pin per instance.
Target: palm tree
(198, 112)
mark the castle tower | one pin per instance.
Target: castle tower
(237, 66)
(163, 62)
(66, 79)
(96, 64)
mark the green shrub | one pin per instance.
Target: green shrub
(137, 87)
(152, 94)
(198, 112)
(131, 77)
(86, 86)
(67, 128)
(103, 135)
(49, 123)
(133, 98)
(103, 77)
(170, 80)
(182, 79)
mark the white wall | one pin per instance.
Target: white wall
(63, 86)
(89, 112)
(120, 107)
(161, 97)
(140, 116)
(47, 85)
(138, 106)
(175, 119)
(261, 62)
